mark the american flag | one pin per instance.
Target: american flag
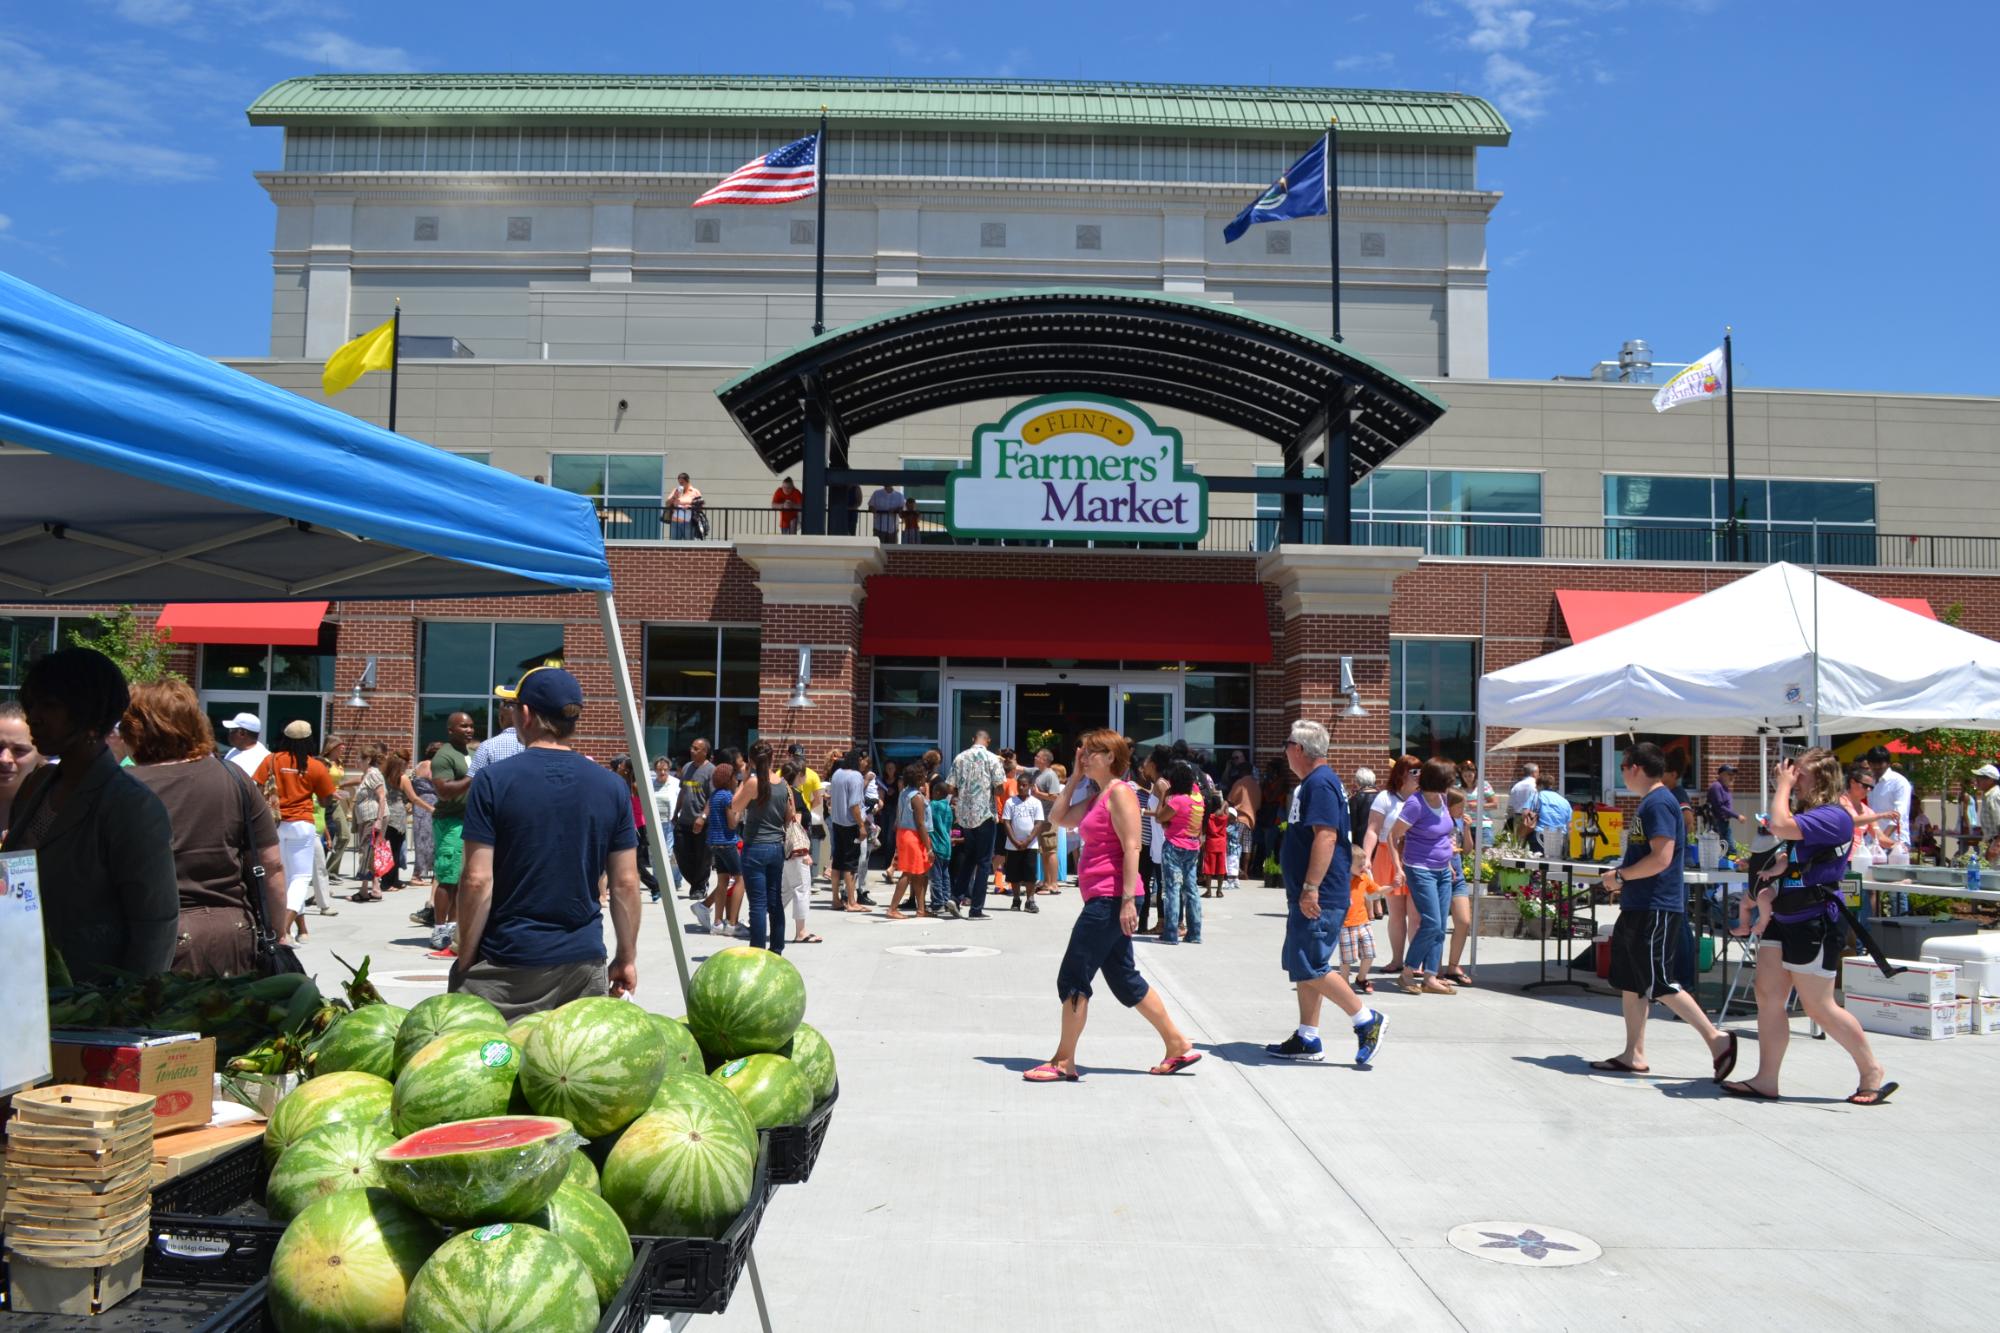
(778, 177)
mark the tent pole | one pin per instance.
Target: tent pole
(1763, 771)
(656, 839)
(1479, 816)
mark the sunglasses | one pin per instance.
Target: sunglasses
(1865, 786)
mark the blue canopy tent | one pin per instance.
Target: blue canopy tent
(158, 475)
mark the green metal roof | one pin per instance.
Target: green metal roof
(754, 100)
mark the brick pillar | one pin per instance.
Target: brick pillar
(812, 589)
(1335, 603)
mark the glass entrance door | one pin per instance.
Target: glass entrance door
(976, 706)
(1147, 712)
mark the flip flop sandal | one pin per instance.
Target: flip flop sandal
(1758, 1094)
(1459, 977)
(810, 939)
(1050, 1072)
(1871, 1096)
(1615, 1065)
(1177, 1064)
(1725, 1064)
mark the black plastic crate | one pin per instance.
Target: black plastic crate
(226, 1184)
(697, 1276)
(148, 1310)
(627, 1312)
(794, 1148)
(192, 1251)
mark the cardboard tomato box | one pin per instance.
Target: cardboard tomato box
(177, 1068)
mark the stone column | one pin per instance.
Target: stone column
(1335, 603)
(329, 275)
(812, 590)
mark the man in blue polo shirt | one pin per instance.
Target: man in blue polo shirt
(540, 831)
(1646, 943)
(1315, 857)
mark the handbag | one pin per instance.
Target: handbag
(274, 956)
(383, 862)
(797, 843)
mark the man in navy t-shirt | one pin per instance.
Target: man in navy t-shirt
(1647, 942)
(541, 831)
(1315, 857)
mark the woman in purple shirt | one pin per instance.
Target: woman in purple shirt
(1107, 878)
(1802, 946)
(1424, 835)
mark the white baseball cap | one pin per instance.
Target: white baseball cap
(244, 722)
(1987, 771)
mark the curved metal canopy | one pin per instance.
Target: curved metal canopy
(1221, 362)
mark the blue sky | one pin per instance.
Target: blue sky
(1820, 174)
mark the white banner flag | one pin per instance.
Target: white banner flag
(1706, 378)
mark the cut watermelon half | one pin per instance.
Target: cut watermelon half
(456, 1136)
(468, 1172)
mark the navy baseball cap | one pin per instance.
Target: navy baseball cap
(546, 691)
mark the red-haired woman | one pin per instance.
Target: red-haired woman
(1384, 859)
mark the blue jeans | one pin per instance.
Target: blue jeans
(972, 864)
(1180, 888)
(764, 891)
(1430, 890)
(940, 878)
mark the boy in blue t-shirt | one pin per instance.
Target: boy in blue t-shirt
(1650, 937)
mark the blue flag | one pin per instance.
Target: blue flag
(1299, 193)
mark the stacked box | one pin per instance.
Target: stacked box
(1977, 958)
(79, 1173)
(1900, 1018)
(1985, 1016)
(1918, 983)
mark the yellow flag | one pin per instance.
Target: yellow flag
(373, 350)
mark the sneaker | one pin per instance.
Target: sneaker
(446, 952)
(1296, 1047)
(1368, 1037)
(977, 916)
(865, 900)
(1032, 907)
(424, 917)
(330, 911)
(948, 908)
(702, 916)
(1017, 905)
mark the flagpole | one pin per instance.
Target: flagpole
(1729, 431)
(819, 232)
(395, 356)
(1333, 214)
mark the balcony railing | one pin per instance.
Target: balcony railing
(1849, 547)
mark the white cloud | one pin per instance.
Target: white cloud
(1521, 92)
(155, 13)
(332, 51)
(1497, 26)
(109, 111)
(842, 8)
(1357, 64)
(5, 222)
(911, 51)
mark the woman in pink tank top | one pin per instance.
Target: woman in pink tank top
(1107, 879)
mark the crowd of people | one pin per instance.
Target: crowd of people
(167, 858)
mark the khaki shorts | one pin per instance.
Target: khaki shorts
(524, 990)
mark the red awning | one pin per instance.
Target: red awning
(1590, 612)
(1089, 621)
(285, 624)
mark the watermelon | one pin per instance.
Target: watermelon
(518, 1031)
(744, 1001)
(334, 1157)
(595, 1062)
(691, 1090)
(345, 1264)
(770, 1087)
(364, 1040)
(506, 1278)
(468, 1074)
(582, 1172)
(348, 1095)
(439, 1014)
(471, 1171)
(683, 1051)
(586, 1223)
(682, 1172)
(813, 1058)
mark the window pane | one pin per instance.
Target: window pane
(906, 722)
(739, 663)
(1438, 735)
(1436, 675)
(1657, 497)
(23, 639)
(1827, 501)
(1398, 671)
(456, 658)
(1487, 493)
(281, 710)
(736, 725)
(1217, 732)
(1206, 691)
(232, 666)
(433, 711)
(301, 669)
(906, 687)
(582, 474)
(1583, 770)
(516, 648)
(680, 661)
(637, 476)
(672, 727)
(1400, 489)
(1751, 499)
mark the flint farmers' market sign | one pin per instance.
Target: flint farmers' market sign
(1077, 465)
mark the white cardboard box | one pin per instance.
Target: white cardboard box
(1899, 1018)
(1985, 1016)
(1977, 958)
(1919, 983)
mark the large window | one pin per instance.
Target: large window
(23, 640)
(280, 684)
(462, 660)
(1215, 710)
(1431, 687)
(628, 490)
(701, 683)
(904, 715)
(1682, 518)
(1443, 510)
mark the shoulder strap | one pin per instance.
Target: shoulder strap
(252, 868)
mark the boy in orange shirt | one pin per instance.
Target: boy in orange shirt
(1357, 935)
